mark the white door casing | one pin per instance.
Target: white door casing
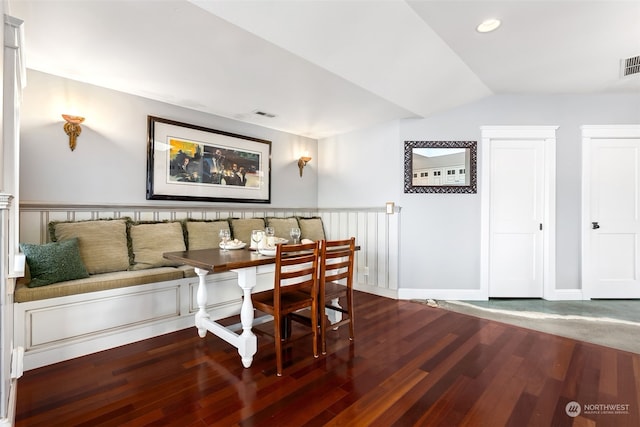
(611, 211)
(518, 211)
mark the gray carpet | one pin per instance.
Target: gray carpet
(609, 323)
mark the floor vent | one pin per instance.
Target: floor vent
(631, 66)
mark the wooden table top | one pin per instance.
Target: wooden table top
(215, 260)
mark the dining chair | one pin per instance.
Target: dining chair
(295, 288)
(336, 281)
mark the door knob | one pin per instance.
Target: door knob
(595, 225)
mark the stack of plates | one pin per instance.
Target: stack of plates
(234, 245)
(268, 251)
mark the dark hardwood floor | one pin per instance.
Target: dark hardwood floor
(410, 365)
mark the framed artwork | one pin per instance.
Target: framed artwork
(189, 162)
(440, 166)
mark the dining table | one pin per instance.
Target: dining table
(244, 262)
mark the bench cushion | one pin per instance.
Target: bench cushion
(150, 240)
(102, 243)
(98, 282)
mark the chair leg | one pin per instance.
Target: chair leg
(314, 328)
(278, 339)
(350, 308)
(286, 327)
(322, 322)
(323, 330)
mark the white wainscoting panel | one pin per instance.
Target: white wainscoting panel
(376, 232)
(100, 313)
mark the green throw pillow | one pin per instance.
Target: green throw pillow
(54, 262)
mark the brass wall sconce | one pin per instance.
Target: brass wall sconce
(72, 128)
(302, 162)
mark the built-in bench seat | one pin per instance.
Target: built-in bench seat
(125, 290)
(72, 318)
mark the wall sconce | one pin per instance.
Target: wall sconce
(72, 128)
(302, 162)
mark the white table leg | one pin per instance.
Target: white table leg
(201, 298)
(248, 342)
(334, 315)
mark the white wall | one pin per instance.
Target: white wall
(362, 168)
(439, 239)
(109, 162)
(440, 235)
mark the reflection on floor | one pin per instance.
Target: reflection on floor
(628, 309)
(612, 323)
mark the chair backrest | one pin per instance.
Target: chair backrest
(296, 268)
(337, 257)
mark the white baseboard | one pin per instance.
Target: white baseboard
(382, 292)
(565, 295)
(442, 294)
(9, 421)
(477, 295)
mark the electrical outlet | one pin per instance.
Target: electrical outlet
(390, 206)
(366, 271)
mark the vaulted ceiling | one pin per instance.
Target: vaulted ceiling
(324, 67)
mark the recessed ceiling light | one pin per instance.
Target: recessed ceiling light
(488, 25)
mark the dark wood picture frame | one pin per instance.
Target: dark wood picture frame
(194, 163)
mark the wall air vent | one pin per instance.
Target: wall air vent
(264, 114)
(631, 66)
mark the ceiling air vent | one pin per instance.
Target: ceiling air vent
(631, 66)
(264, 114)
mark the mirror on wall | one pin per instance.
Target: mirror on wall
(440, 166)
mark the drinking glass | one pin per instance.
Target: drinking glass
(256, 236)
(225, 235)
(295, 234)
(270, 233)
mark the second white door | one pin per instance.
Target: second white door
(611, 222)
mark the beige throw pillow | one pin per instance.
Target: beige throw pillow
(205, 234)
(241, 228)
(102, 243)
(311, 228)
(282, 226)
(150, 241)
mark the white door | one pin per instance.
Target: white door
(516, 218)
(518, 209)
(611, 217)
